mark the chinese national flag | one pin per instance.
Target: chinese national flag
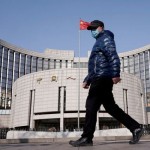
(84, 25)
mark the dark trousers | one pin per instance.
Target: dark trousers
(100, 93)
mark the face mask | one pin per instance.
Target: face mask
(94, 33)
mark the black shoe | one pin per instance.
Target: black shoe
(83, 141)
(136, 135)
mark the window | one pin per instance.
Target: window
(69, 64)
(40, 64)
(11, 63)
(28, 64)
(146, 56)
(75, 65)
(141, 57)
(16, 69)
(59, 98)
(57, 64)
(46, 64)
(22, 65)
(63, 64)
(125, 61)
(122, 64)
(34, 64)
(52, 64)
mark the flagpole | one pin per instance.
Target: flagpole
(79, 85)
(83, 26)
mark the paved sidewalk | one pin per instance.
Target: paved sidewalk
(98, 145)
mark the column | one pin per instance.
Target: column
(62, 108)
(32, 122)
(97, 123)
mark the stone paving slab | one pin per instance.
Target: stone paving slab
(50, 140)
(98, 145)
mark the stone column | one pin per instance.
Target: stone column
(62, 108)
(32, 122)
(97, 123)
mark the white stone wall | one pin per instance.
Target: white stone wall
(148, 116)
(134, 95)
(21, 98)
(4, 121)
(60, 54)
(46, 95)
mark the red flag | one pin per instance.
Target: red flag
(84, 25)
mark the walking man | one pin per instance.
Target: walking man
(103, 72)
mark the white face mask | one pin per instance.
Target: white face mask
(95, 33)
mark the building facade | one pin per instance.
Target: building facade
(16, 62)
(137, 62)
(49, 99)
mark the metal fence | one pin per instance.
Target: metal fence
(146, 129)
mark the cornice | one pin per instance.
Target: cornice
(37, 54)
(63, 56)
(19, 49)
(135, 51)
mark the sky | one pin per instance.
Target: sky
(39, 24)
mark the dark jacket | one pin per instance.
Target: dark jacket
(104, 60)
